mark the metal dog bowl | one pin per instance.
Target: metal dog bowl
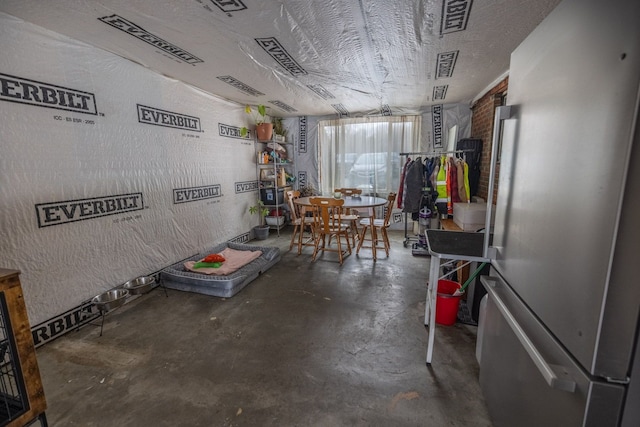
(111, 299)
(141, 285)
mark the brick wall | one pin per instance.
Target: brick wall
(482, 127)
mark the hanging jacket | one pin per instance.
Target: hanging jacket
(462, 193)
(413, 189)
(467, 185)
(434, 174)
(452, 186)
(402, 186)
(455, 193)
(429, 165)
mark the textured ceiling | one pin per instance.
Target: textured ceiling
(307, 57)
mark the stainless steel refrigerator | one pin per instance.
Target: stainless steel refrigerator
(560, 333)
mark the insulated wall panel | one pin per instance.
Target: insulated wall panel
(109, 171)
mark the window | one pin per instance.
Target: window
(365, 152)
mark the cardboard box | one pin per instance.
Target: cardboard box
(471, 216)
(282, 178)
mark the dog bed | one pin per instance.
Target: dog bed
(177, 276)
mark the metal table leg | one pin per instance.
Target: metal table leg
(374, 234)
(102, 322)
(430, 304)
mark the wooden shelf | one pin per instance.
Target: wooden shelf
(449, 225)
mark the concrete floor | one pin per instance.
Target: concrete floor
(305, 344)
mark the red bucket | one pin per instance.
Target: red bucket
(446, 303)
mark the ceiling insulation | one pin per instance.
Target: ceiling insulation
(343, 57)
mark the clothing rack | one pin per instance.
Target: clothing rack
(435, 153)
(419, 247)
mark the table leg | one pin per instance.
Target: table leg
(430, 304)
(374, 234)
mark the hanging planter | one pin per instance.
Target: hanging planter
(264, 131)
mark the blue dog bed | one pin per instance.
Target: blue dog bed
(177, 277)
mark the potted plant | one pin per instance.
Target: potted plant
(264, 127)
(261, 231)
(278, 130)
(307, 191)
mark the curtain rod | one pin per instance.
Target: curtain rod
(427, 153)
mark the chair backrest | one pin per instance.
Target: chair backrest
(348, 191)
(389, 206)
(291, 195)
(327, 213)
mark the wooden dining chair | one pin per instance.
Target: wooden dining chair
(351, 216)
(377, 230)
(302, 224)
(348, 191)
(327, 222)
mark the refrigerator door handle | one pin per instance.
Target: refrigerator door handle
(546, 369)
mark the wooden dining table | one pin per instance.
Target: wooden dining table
(354, 202)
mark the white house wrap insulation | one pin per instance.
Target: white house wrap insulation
(107, 170)
(303, 57)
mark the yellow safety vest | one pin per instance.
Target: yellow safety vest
(441, 183)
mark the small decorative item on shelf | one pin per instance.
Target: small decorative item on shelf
(264, 127)
(273, 155)
(289, 178)
(264, 157)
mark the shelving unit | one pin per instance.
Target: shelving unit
(272, 168)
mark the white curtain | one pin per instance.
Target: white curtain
(365, 152)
